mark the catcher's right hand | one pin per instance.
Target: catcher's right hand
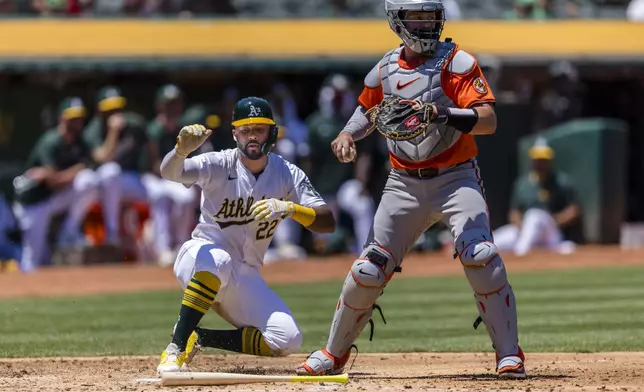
(190, 138)
(344, 147)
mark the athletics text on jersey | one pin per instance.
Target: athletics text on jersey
(229, 189)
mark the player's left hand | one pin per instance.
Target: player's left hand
(271, 209)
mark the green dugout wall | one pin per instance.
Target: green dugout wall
(593, 154)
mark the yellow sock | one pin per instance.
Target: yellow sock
(201, 291)
(253, 343)
(198, 297)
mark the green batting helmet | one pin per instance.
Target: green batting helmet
(254, 110)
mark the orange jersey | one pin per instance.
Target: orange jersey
(461, 84)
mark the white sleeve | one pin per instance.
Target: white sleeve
(303, 192)
(210, 168)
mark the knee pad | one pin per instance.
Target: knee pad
(368, 277)
(483, 266)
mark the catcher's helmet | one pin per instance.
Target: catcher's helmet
(254, 110)
(420, 35)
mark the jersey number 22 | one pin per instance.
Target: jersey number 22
(266, 229)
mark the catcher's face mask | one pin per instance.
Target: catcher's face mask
(418, 23)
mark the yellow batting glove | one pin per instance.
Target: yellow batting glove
(268, 209)
(273, 208)
(190, 138)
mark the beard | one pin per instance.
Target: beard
(252, 155)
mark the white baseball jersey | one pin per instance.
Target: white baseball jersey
(229, 189)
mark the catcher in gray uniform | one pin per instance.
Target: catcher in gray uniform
(429, 98)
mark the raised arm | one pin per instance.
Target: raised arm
(175, 166)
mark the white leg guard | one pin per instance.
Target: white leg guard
(362, 287)
(486, 274)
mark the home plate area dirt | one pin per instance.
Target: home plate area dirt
(371, 372)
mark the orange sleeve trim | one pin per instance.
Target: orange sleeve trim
(370, 97)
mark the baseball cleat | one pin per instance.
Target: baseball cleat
(192, 347)
(321, 363)
(172, 360)
(511, 366)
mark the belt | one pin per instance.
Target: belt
(424, 173)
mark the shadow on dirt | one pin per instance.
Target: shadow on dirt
(458, 377)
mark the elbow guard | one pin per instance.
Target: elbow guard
(463, 120)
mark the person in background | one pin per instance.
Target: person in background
(61, 7)
(7, 7)
(291, 145)
(10, 249)
(179, 200)
(562, 100)
(293, 128)
(59, 179)
(343, 186)
(543, 205)
(223, 138)
(120, 146)
(528, 9)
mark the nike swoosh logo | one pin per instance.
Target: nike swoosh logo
(401, 86)
(479, 251)
(364, 273)
(230, 178)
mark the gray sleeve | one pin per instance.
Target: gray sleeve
(179, 169)
(359, 125)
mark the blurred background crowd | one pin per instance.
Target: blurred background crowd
(456, 9)
(81, 145)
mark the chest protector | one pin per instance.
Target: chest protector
(422, 82)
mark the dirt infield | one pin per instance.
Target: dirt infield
(132, 278)
(371, 372)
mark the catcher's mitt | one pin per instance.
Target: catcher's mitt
(401, 119)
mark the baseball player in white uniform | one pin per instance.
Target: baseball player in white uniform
(434, 177)
(246, 193)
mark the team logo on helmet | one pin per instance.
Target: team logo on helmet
(255, 111)
(480, 86)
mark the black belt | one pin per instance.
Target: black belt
(423, 174)
(426, 172)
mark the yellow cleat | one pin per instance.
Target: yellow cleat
(192, 347)
(172, 360)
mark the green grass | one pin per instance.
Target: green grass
(575, 310)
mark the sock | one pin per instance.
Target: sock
(248, 340)
(197, 299)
